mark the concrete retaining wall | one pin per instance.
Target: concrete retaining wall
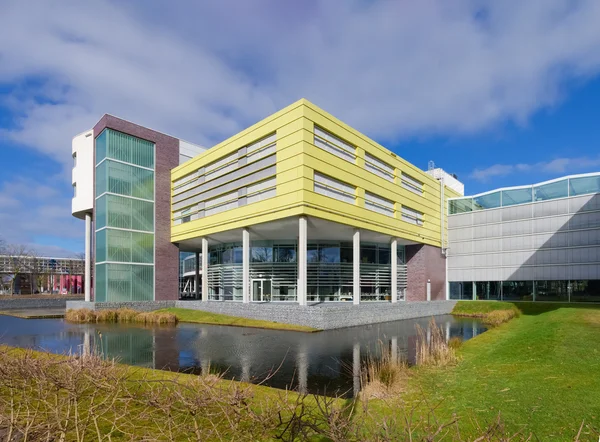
(320, 316)
(27, 303)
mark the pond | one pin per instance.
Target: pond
(325, 362)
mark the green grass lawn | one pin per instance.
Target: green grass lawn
(540, 371)
(202, 317)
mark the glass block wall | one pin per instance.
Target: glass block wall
(124, 218)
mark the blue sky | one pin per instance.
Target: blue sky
(501, 93)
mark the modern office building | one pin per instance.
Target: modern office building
(538, 242)
(26, 275)
(298, 208)
(121, 186)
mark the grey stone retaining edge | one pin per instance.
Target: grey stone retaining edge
(320, 316)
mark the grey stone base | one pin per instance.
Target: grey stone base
(319, 316)
(142, 306)
(27, 303)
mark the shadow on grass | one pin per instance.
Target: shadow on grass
(538, 308)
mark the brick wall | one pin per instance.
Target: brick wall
(166, 254)
(425, 262)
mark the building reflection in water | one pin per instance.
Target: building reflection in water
(326, 362)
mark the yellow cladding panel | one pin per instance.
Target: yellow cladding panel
(297, 159)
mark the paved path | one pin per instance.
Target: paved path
(35, 313)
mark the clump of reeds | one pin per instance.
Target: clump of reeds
(120, 315)
(455, 342)
(432, 347)
(383, 376)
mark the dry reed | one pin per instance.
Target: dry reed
(455, 342)
(384, 376)
(432, 347)
(120, 315)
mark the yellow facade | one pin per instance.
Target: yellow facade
(297, 160)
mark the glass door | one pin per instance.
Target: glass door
(261, 290)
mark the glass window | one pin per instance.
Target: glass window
(285, 253)
(262, 254)
(129, 149)
(312, 253)
(238, 255)
(488, 201)
(583, 185)
(329, 253)
(517, 196)
(461, 290)
(101, 146)
(585, 291)
(551, 291)
(124, 179)
(128, 213)
(487, 290)
(346, 253)
(101, 245)
(401, 253)
(461, 206)
(384, 255)
(517, 290)
(100, 283)
(368, 254)
(558, 189)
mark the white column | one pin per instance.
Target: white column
(356, 368)
(88, 255)
(302, 276)
(246, 265)
(394, 269)
(356, 267)
(302, 366)
(204, 269)
(394, 349)
(429, 289)
(197, 277)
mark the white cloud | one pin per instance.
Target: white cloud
(204, 70)
(558, 166)
(31, 209)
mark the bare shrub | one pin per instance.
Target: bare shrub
(432, 348)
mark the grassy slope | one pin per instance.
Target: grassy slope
(201, 317)
(540, 371)
(261, 400)
(469, 308)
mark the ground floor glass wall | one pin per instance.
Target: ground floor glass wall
(558, 291)
(274, 271)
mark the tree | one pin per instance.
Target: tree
(19, 260)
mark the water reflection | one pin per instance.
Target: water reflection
(326, 362)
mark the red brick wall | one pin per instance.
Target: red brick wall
(166, 254)
(425, 262)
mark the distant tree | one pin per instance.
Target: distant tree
(40, 272)
(20, 260)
